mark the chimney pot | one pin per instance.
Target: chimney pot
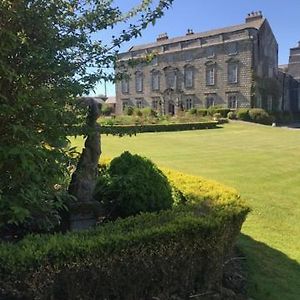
(253, 16)
(162, 37)
(189, 31)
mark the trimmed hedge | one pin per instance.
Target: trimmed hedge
(134, 129)
(259, 115)
(175, 252)
(243, 114)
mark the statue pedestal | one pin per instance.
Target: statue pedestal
(82, 221)
(84, 215)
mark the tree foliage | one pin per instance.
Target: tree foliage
(49, 55)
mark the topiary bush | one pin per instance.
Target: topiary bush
(259, 115)
(231, 115)
(131, 185)
(243, 114)
(129, 110)
(217, 116)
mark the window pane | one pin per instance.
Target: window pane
(156, 103)
(210, 101)
(171, 79)
(125, 86)
(188, 103)
(232, 102)
(232, 48)
(210, 52)
(210, 76)
(232, 73)
(139, 82)
(139, 103)
(155, 81)
(124, 104)
(154, 61)
(189, 77)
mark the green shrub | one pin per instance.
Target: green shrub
(243, 114)
(129, 110)
(165, 255)
(259, 115)
(211, 110)
(231, 115)
(223, 111)
(133, 184)
(202, 112)
(217, 116)
(106, 110)
(193, 111)
(138, 112)
(149, 112)
(222, 121)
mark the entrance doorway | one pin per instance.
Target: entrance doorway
(171, 110)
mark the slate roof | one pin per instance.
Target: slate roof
(255, 24)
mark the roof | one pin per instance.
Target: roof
(255, 24)
(111, 100)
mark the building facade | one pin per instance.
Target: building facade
(232, 67)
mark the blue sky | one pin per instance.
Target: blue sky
(200, 15)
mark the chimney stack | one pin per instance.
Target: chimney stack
(254, 16)
(189, 31)
(162, 37)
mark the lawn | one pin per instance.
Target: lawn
(263, 163)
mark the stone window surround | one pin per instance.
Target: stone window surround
(154, 73)
(235, 77)
(230, 51)
(210, 73)
(210, 52)
(233, 100)
(156, 103)
(171, 82)
(125, 103)
(125, 86)
(139, 102)
(189, 102)
(210, 100)
(189, 82)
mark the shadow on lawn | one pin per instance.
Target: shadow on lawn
(272, 275)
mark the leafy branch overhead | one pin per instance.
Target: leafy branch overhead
(51, 52)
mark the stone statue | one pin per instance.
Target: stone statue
(83, 213)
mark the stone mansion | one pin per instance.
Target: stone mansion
(231, 67)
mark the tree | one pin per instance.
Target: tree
(48, 57)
